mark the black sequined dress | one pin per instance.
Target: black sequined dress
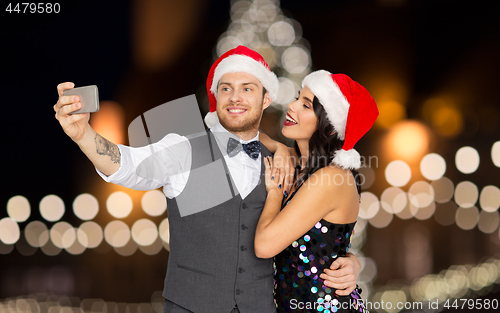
(298, 287)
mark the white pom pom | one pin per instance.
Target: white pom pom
(211, 119)
(347, 159)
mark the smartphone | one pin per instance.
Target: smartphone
(89, 98)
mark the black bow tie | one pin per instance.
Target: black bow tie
(252, 148)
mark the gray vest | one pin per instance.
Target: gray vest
(212, 264)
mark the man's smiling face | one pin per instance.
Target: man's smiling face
(240, 102)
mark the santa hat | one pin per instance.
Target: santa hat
(349, 108)
(239, 59)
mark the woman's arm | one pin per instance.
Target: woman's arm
(275, 146)
(318, 196)
(278, 229)
(284, 159)
(270, 144)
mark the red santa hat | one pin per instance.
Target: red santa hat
(349, 108)
(239, 59)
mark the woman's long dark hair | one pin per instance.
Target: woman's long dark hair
(323, 144)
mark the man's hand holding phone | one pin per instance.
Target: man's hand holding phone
(104, 154)
(74, 125)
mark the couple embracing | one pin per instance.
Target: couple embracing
(296, 209)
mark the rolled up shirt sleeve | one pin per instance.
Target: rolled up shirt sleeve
(165, 163)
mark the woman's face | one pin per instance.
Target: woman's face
(301, 121)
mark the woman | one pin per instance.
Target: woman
(311, 227)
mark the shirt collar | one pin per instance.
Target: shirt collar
(222, 136)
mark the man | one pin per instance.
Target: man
(212, 264)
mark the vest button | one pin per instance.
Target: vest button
(244, 206)
(243, 226)
(242, 248)
(238, 292)
(241, 270)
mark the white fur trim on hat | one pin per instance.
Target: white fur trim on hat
(211, 119)
(241, 63)
(331, 97)
(347, 159)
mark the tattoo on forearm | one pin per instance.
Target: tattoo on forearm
(106, 147)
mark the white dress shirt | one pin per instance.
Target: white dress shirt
(167, 163)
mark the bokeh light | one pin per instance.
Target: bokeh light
(408, 141)
(360, 226)
(369, 271)
(52, 208)
(18, 208)
(90, 234)
(262, 26)
(393, 200)
(295, 60)
(390, 113)
(467, 160)
(421, 194)
(117, 234)
(448, 121)
(407, 211)
(490, 198)
(109, 122)
(227, 43)
(391, 298)
(398, 173)
(478, 278)
(369, 205)
(5, 249)
(154, 203)
(268, 53)
(50, 249)
(9, 231)
(443, 189)
(495, 153)
(467, 218)
(281, 33)
(433, 166)
(23, 247)
(63, 235)
(287, 92)
(381, 219)
(456, 281)
(488, 221)
(119, 204)
(445, 213)
(424, 213)
(85, 206)
(128, 249)
(152, 249)
(164, 231)
(466, 194)
(36, 233)
(76, 248)
(144, 232)
(367, 175)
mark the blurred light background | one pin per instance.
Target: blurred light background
(429, 223)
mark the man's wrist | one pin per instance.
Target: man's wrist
(87, 137)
